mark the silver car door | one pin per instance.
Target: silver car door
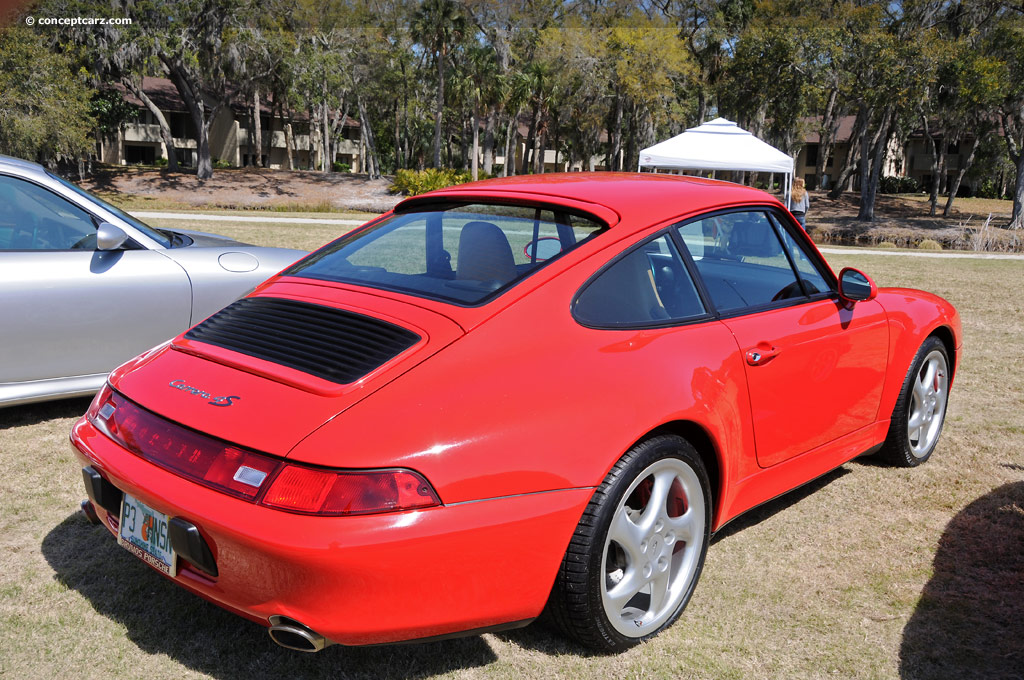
(67, 309)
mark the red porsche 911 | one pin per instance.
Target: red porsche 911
(517, 395)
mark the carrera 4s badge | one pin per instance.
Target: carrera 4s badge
(180, 384)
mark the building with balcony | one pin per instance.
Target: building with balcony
(140, 141)
(909, 158)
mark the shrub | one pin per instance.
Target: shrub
(898, 185)
(885, 245)
(338, 166)
(989, 188)
(413, 182)
(929, 244)
(218, 164)
(161, 162)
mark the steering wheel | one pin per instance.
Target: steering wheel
(790, 291)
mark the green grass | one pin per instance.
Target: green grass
(967, 205)
(869, 572)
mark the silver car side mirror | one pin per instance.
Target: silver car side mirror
(109, 236)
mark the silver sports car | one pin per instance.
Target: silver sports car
(84, 286)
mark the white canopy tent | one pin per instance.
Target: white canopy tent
(719, 144)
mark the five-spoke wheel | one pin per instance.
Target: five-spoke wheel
(921, 407)
(639, 549)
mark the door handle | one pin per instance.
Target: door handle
(762, 354)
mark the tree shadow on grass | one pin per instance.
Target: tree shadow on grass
(969, 622)
(161, 618)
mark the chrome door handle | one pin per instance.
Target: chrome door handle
(761, 356)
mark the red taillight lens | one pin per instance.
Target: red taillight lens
(326, 492)
(243, 473)
(203, 459)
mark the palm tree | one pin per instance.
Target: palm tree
(438, 25)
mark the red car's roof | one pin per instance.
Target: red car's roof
(609, 195)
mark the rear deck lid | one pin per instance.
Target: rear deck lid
(267, 370)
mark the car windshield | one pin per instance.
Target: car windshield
(149, 231)
(465, 254)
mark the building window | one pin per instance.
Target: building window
(812, 154)
(181, 126)
(139, 155)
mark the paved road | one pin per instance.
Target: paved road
(908, 253)
(143, 215)
(354, 223)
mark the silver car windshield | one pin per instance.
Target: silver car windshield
(465, 254)
(141, 226)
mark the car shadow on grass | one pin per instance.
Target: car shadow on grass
(163, 619)
(969, 622)
(33, 414)
(787, 500)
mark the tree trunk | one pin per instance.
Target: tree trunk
(289, 145)
(849, 163)
(871, 174)
(325, 131)
(438, 114)
(268, 141)
(826, 136)
(165, 129)
(933, 147)
(489, 143)
(615, 150)
(191, 94)
(373, 161)
(531, 137)
(250, 141)
(510, 146)
(1017, 218)
(1013, 127)
(257, 125)
(960, 175)
(314, 138)
(540, 144)
(475, 161)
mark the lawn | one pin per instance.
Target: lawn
(869, 572)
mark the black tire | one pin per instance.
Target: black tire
(922, 403)
(610, 552)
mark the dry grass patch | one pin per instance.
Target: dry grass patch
(869, 572)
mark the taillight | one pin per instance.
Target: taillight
(329, 492)
(203, 459)
(252, 476)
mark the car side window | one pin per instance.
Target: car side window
(34, 218)
(812, 279)
(649, 285)
(740, 260)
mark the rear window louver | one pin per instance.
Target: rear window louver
(328, 343)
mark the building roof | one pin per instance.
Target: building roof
(813, 124)
(166, 97)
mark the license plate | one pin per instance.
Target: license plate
(143, 531)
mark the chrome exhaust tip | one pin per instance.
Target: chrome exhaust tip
(293, 635)
(90, 512)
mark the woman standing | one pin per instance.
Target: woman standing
(801, 202)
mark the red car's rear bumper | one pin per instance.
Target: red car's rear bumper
(363, 579)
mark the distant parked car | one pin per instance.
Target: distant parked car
(84, 286)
